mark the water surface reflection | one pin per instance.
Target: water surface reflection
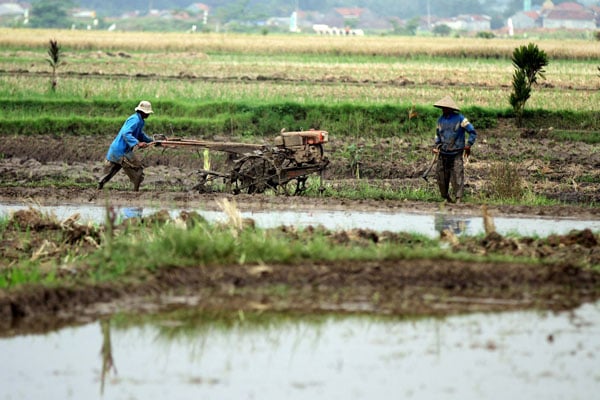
(524, 355)
(426, 224)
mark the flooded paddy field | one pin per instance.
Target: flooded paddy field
(424, 328)
(402, 286)
(236, 355)
(430, 223)
(435, 287)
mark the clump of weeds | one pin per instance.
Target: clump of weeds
(504, 182)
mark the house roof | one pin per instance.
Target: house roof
(569, 6)
(474, 17)
(199, 6)
(580, 15)
(350, 12)
(532, 14)
(83, 13)
(466, 18)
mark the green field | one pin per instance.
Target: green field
(181, 74)
(249, 86)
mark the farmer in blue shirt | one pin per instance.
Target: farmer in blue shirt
(120, 153)
(451, 144)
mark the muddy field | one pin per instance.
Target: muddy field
(416, 287)
(568, 172)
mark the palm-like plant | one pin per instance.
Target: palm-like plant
(55, 53)
(521, 93)
(529, 62)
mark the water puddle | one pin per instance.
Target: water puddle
(426, 224)
(521, 355)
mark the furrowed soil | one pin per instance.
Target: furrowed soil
(62, 169)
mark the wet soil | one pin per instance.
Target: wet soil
(54, 169)
(64, 169)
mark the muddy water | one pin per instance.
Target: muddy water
(519, 355)
(426, 224)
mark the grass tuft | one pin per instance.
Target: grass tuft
(504, 182)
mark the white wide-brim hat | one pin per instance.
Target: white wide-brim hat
(144, 107)
(446, 102)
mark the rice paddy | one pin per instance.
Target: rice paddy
(303, 69)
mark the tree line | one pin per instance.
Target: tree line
(54, 13)
(242, 9)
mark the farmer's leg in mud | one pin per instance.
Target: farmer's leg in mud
(134, 169)
(458, 177)
(110, 169)
(443, 172)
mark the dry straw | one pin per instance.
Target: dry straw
(301, 44)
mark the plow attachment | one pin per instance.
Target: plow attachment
(255, 168)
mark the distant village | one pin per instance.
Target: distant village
(339, 21)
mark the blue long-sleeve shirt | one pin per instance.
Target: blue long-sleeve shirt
(450, 133)
(131, 133)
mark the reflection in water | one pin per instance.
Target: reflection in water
(106, 352)
(264, 355)
(336, 220)
(456, 225)
(131, 212)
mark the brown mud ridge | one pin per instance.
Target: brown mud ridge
(403, 287)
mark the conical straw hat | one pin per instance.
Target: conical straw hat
(446, 102)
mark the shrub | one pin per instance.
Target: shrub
(529, 62)
(485, 35)
(442, 30)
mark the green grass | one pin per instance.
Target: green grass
(588, 178)
(258, 119)
(130, 254)
(590, 137)
(258, 91)
(205, 244)
(26, 273)
(528, 199)
(363, 190)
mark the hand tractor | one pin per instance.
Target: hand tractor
(284, 166)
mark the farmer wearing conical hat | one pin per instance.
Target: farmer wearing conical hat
(451, 144)
(120, 153)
